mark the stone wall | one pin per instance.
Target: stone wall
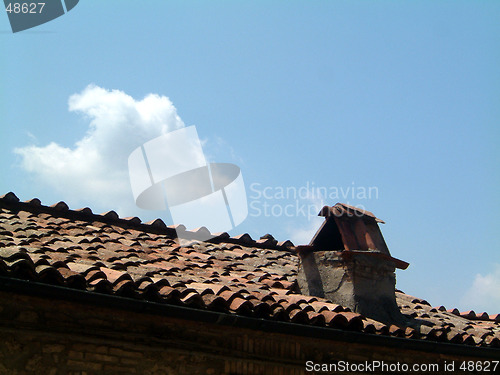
(43, 336)
(361, 281)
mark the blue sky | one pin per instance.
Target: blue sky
(402, 97)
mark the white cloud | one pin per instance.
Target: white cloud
(313, 202)
(94, 171)
(484, 294)
(304, 235)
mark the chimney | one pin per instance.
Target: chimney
(348, 262)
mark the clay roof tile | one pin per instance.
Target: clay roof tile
(124, 257)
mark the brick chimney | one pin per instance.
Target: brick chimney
(348, 262)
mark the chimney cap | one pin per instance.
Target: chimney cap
(343, 209)
(348, 228)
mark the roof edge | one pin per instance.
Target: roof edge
(61, 209)
(185, 313)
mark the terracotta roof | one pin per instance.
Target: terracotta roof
(342, 209)
(105, 254)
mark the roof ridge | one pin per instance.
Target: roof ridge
(157, 226)
(472, 315)
(469, 314)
